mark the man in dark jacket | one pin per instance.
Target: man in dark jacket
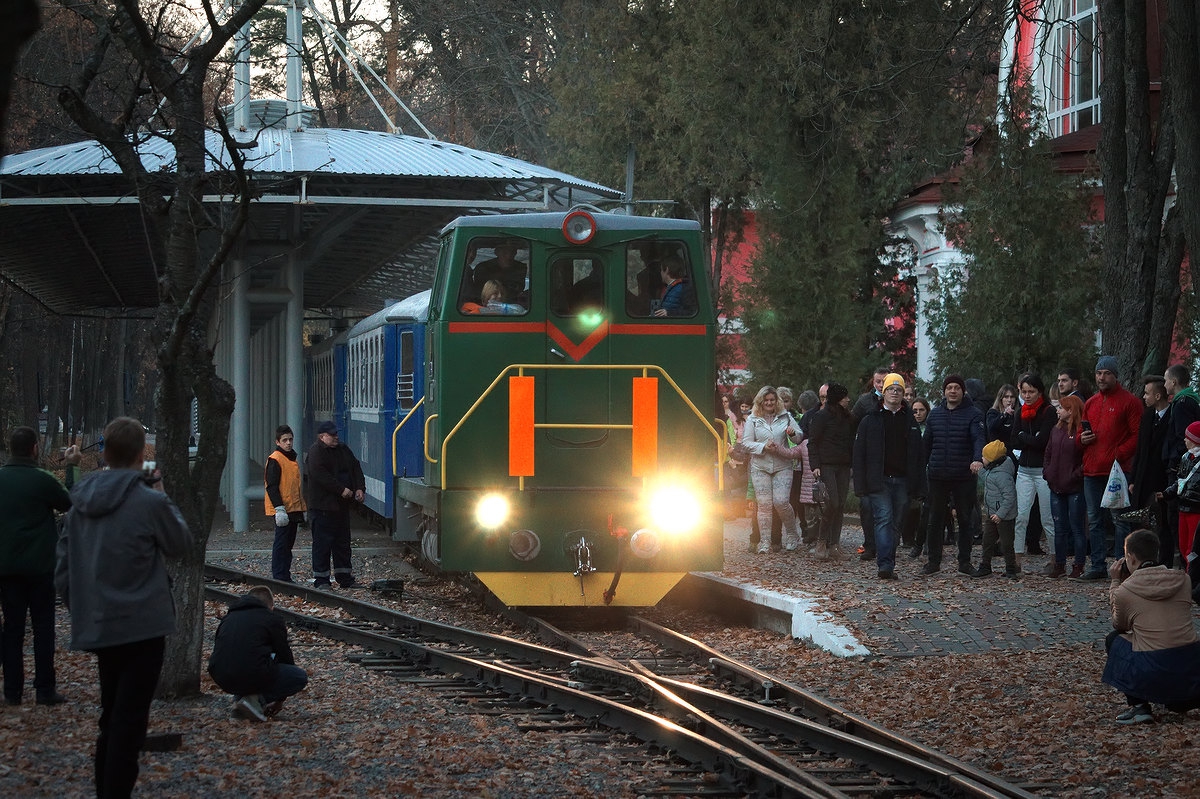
(1149, 468)
(869, 403)
(29, 497)
(335, 481)
(954, 448)
(251, 658)
(888, 468)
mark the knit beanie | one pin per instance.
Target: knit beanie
(954, 379)
(1107, 362)
(835, 393)
(996, 450)
(1192, 433)
(893, 379)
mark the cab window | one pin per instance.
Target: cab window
(576, 286)
(659, 280)
(495, 277)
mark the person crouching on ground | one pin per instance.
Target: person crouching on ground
(999, 510)
(1153, 650)
(251, 658)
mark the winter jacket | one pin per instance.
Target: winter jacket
(1157, 656)
(1000, 488)
(953, 441)
(1115, 417)
(250, 644)
(998, 426)
(804, 474)
(1184, 409)
(1149, 469)
(1031, 436)
(330, 470)
(759, 431)
(1187, 471)
(831, 438)
(28, 498)
(869, 455)
(112, 571)
(1063, 464)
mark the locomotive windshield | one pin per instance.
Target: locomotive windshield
(659, 279)
(496, 276)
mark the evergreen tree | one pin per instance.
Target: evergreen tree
(1028, 298)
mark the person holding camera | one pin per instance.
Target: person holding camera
(112, 576)
(1153, 650)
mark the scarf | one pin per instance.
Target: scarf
(1030, 412)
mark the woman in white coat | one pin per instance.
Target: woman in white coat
(765, 437)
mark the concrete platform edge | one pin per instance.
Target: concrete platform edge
(794, 614)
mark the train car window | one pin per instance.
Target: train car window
(405, 378)
(495, 277)
(659, 280)
(576, 286)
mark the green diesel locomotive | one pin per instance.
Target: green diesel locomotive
(568, 455)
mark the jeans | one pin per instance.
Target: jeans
(1070, 514)
(281, 550)
(887, 509)
(128, 677)
(32, 595)
(940, 492)
(1101, 521)
(1029, 481)
(290, 680)
(772, 490)
(331, 537)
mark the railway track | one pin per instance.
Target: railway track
(739, 730)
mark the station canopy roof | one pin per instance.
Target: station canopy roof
(360, 209)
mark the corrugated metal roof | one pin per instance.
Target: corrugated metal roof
(315, 151)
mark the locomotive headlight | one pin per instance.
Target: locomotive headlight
(492, 511)
(675, 509)
(578, 227)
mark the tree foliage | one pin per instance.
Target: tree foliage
(816, 116)
(1028, 297)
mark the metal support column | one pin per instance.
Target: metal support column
(293, 350)
(239, 429)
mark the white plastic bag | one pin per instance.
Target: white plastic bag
(1116, 492)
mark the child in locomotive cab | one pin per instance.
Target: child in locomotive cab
(505, 268)
(492, 301)
(678, 298)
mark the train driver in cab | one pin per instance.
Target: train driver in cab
(678, 298)
(505, 268)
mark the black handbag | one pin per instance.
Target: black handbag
(820, 491)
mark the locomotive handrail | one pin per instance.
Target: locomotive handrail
(403, 422)
(520, 370)
(425, 443)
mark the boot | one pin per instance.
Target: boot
(1056, 570)
(984, 570)
(1076, 571)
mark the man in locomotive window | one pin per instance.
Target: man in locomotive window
(678, 298)
(505, 268)
(335, 482)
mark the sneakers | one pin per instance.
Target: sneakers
(1138, 714)
(764, 548)
(350, 585)
(791, 543)
(983, 571)
(930, 568)
(1093, 574)
(272, 708)
(248, 707)
(887, 575)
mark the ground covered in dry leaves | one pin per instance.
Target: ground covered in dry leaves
(1040, 717)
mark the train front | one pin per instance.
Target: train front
(571, 376)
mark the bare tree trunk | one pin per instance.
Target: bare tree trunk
(1182, 64)
(1136, 316)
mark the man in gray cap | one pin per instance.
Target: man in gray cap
(335, 482)
(1111, 419)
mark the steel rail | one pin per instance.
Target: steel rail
(516, 681)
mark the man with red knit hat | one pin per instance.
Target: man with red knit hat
(1111, 419)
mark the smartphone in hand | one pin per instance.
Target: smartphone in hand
(1086, 425)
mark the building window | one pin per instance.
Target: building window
(1071, 66)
